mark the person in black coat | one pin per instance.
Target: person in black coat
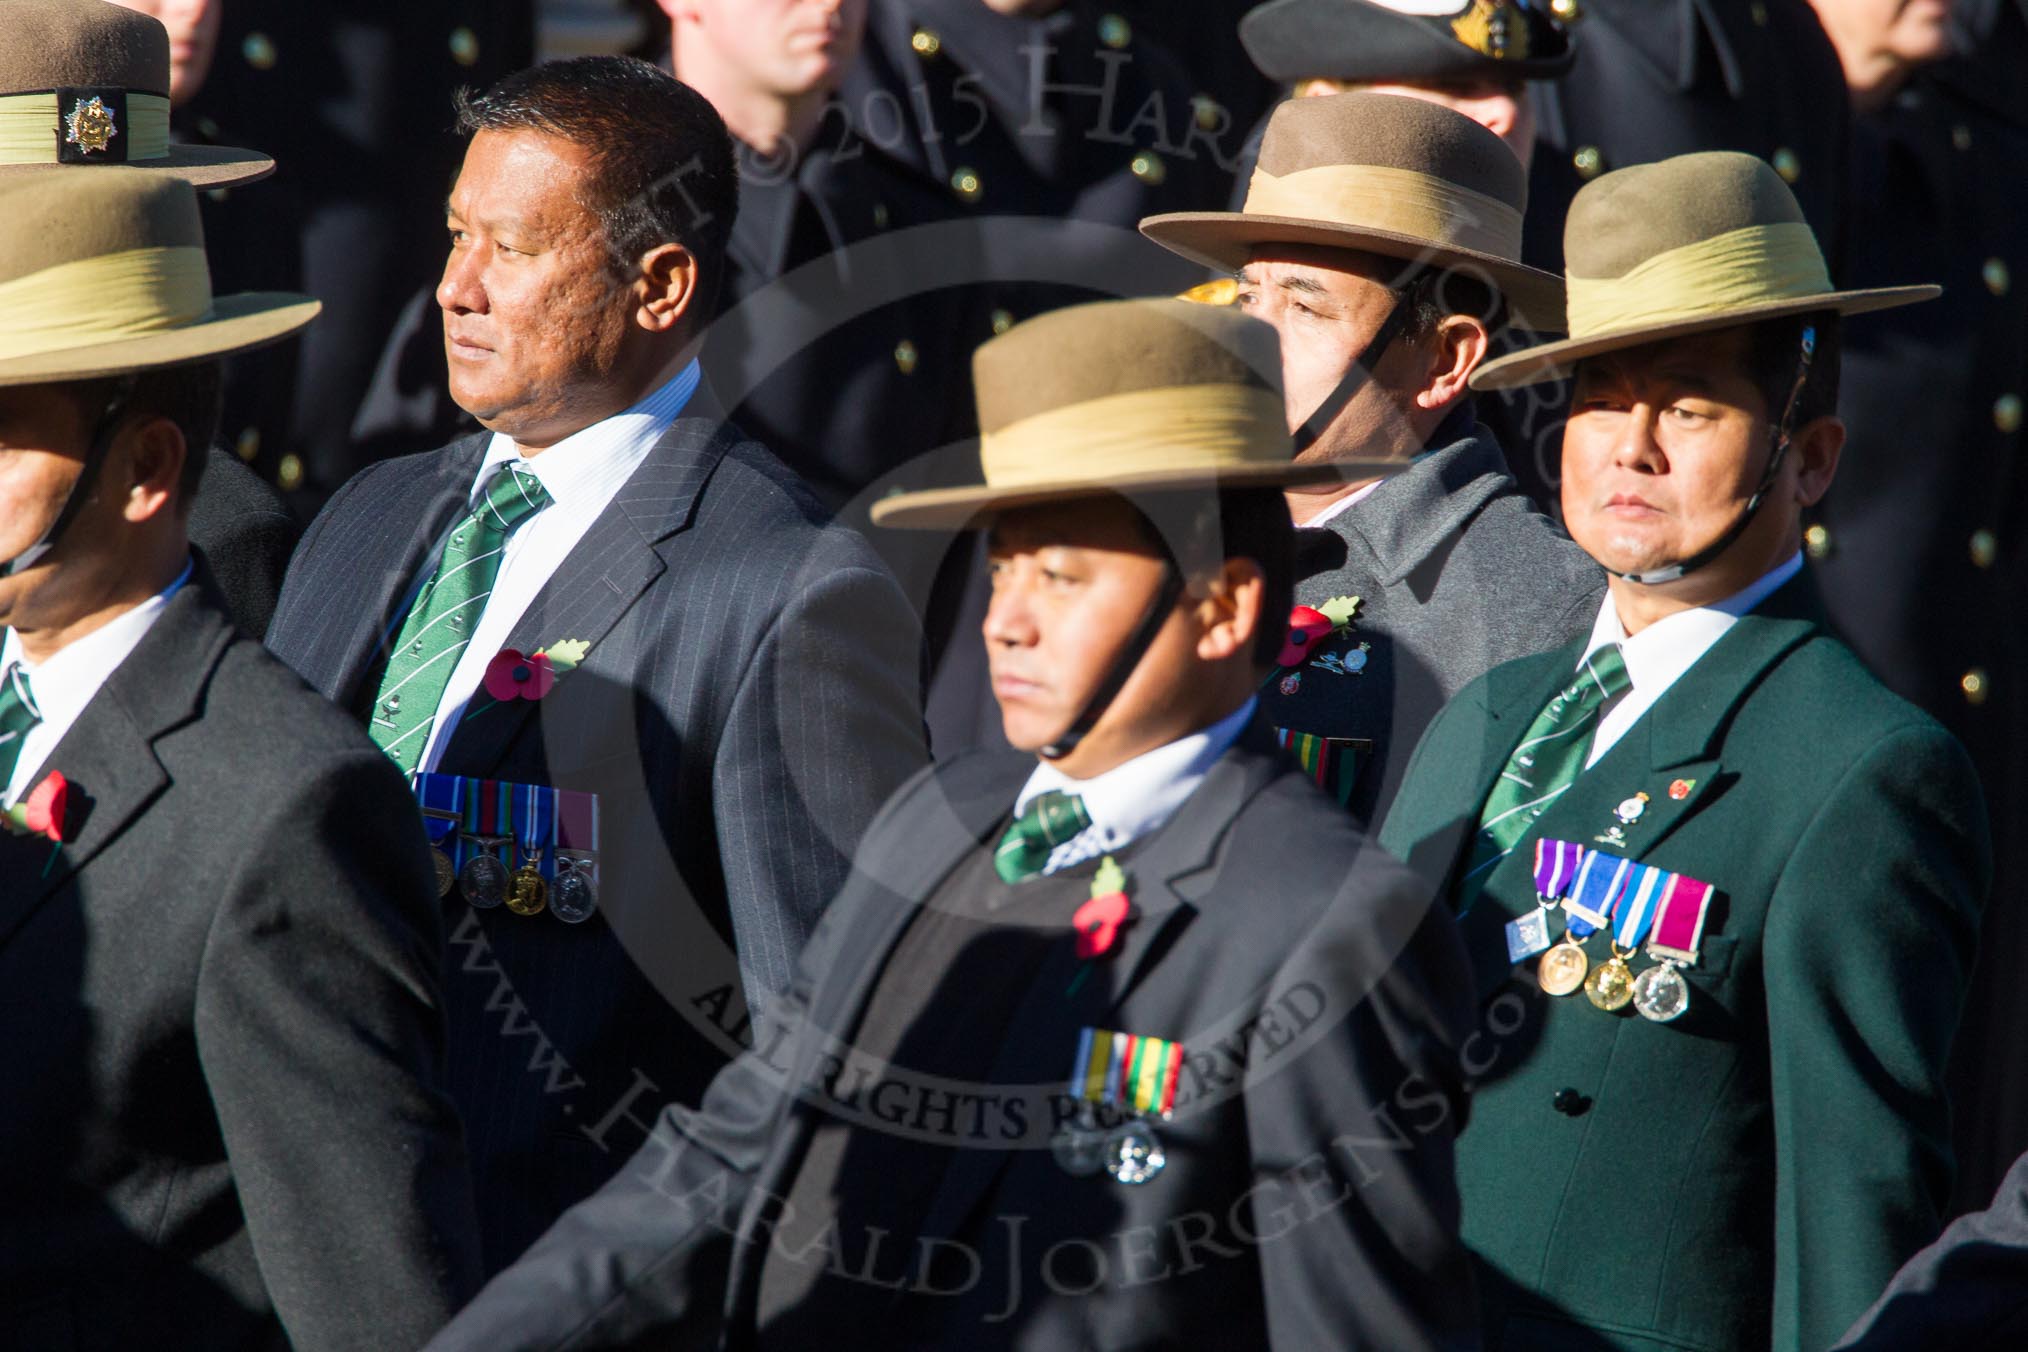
(735, 679)
(1067, 1064)
(225, 1119)
(1919, 547)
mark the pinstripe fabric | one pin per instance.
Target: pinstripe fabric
(750, 697)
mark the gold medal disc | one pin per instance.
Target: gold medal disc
(446, 874)
(1562, 968)
(527, 894)
(1611, 986)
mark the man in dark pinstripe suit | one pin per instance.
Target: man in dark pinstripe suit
(746, 694)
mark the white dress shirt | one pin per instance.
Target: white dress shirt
(582, 473)
(1132, 800)
(1658, 655)
(1341, 506)
(67, 682)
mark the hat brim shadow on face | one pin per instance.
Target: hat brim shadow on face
(1555, 361)
(236, 324)
(203, 167)
(963, 508)
(1227, 240)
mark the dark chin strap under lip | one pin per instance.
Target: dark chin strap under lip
(81, 489)
(1130, 655)
(1783, 434)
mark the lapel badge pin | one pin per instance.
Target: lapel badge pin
(1680, 789)
(1631, 809)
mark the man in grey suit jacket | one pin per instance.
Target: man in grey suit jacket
(732, 679)
(224, 1124)
(1381, 236)
(1067, 1064)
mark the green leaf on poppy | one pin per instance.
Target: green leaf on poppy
(1111, 878)
(565, 655)
(1339, 610)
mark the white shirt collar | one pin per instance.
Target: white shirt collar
(1139, 797)
(585, 461)
(1662, 652)
(1342, 505)
(70, 679)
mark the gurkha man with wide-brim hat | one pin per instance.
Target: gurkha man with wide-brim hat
(84, 83)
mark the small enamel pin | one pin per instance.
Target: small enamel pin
(1680, 789)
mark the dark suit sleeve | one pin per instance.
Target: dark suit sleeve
(1869, 944)
(320, 1030)
(826, 724)
(245, 534)
(1967, 1290)
(300, 609)
(1354, 1197)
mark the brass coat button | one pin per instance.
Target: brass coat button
(1588, 162)
(464, 46)
(289, 474)
(1975, 686)
(1961, 136)
(967, 184)
(1786, 164)
(1985, 548)
(1114, 31)
(1570, 1103)
(1148, 168)
(1565, 11)
(1003, 320)
(1996, 277)
(249, 444)
(1817, 540)
(926, 43)
(906, 357)
(259, 51)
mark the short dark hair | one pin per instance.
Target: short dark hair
(1434, 294)
(191, 396)
(1774, 348)
(663, 165)
(1249, 523)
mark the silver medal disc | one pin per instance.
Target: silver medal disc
(1661, 993)
(1134, 1153)
(483, 880)
(572, 898)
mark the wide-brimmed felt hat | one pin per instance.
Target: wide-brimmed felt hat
(1382, 174)
(85, 82)
(1124, 396)
(1405, 41)
(104, 274)
(1684, 246)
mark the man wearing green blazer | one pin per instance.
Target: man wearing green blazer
(1719, 1122)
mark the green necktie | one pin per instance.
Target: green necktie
(1049, 820)
(1547, 762)
(18, 714)
(445, 612)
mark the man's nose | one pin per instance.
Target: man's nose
(461, 291)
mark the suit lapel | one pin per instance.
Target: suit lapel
(600, 578)
(1038, 1046)
(433, 504)
(108, 754)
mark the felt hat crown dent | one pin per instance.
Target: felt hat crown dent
(103, 273)
(1381, 174)
(85, 83)
(1128, 396)
(1684, 246)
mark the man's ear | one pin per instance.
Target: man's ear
(1229, 610)
(1816, 449)
(151, 455)
(1458, 346)
(666, 288)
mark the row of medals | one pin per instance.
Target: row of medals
(486, 883)
(1131, 1153)
(1660, 993)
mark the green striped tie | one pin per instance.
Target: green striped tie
(1049, 820)
(445, 612)
(18, 715)
(1547, 762)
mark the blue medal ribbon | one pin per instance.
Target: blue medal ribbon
(1601, 882)
(538, 828)
(1644, 893)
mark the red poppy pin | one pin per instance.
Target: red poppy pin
(513, 675)
(43, 811)
(1098, 922)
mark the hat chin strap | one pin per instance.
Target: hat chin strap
(1783, 433)
(81, 489)
(1361, 371)
(1130, 655)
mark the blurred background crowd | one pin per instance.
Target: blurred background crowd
(956, 166)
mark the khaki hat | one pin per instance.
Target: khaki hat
(1129, 397)
(104, 273)
(1684, 246)
(1384, 174)
(85, 82)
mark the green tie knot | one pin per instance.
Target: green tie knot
(511, 497)
(1048, 821)
(18, 715)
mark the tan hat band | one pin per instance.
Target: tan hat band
(32, 130)
(103, 300)
(1398, 201)
(1178, 427)
(1741, 267)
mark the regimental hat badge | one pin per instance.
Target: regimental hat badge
(1493, 28)
(90, 126)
